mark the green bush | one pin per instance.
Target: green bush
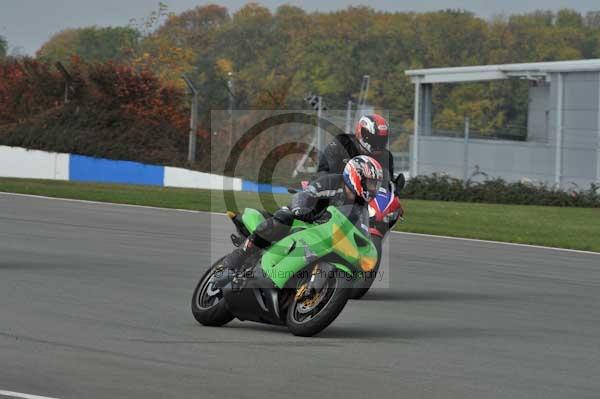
(498, 191)
(85, 130)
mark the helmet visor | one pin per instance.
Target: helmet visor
(376, 141)
(371, 187)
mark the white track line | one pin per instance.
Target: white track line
(577, 251)
(107, 203)
(220, 213)
(22, 395)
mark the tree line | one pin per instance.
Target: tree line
(277, 57)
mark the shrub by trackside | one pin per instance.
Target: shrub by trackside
(498, 191)
(114, 111)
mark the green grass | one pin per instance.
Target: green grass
(575, 228)
(179, 198)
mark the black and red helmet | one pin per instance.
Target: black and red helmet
(372, 132)
(363, 176)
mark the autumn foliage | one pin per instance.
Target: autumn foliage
(114, 111)
(139, 95)
(128, 92)
(27, 88)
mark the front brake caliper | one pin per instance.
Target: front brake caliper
(300, 292)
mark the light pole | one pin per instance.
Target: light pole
(193, 119)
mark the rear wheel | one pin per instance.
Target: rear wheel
(208, 304)
(309, 315)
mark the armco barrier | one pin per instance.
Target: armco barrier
(88, 169)
(33, 164)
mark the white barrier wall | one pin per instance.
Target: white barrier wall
(33, 164)
(178, 177)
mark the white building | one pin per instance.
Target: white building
(564, 109)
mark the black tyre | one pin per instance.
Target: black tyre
(363, 283)
(304, 321)
(208, 305)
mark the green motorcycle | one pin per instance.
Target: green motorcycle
(302, 281)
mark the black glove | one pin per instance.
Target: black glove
(303, 204)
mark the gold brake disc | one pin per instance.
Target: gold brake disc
(300, 292)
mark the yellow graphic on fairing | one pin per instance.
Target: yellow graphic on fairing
(341, 243)
(367, 264)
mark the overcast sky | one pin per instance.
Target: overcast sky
(27, 24)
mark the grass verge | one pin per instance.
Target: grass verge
(574, 228)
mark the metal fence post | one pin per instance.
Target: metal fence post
(68, 80)
(193, 128)
(466, 151)
(231, 105)
(319, 132)
(417, 117)
(349, 117)
(559, 131)
(598, 141)
(193, 119)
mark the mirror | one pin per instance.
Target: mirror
(400, 182)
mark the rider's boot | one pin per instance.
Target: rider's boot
(269, 231)
(235, 260)
(233, 263)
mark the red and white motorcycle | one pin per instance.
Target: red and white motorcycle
(384, 210)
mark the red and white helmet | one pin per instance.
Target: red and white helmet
(372, 133)
(363, 176)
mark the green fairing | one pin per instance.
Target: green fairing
(252, 218)
(309, 242)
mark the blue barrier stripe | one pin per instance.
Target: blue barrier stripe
(262, 187)
(88, 169)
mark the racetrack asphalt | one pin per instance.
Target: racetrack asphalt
(94, 303)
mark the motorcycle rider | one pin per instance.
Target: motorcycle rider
(370, 138)
(356, 185)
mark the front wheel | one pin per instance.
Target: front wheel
(208, 304)
(307, 316)
(363, 282)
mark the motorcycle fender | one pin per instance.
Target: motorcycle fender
(343, 268)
